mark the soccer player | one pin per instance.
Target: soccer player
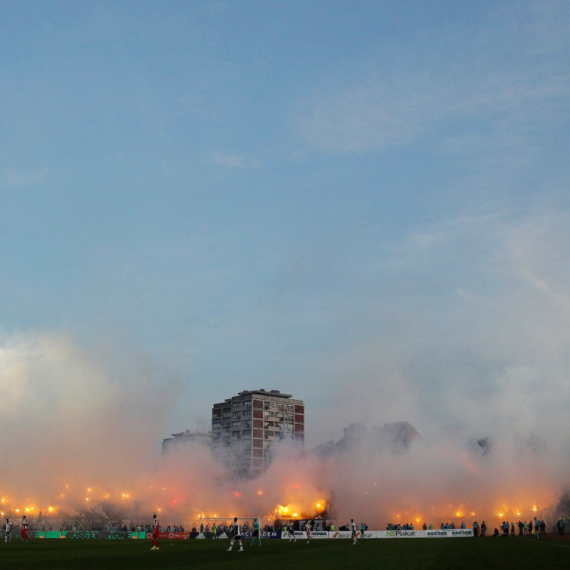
(353, 529)
(256, 533)
(24, 529)
(291, 532)
(155, 532)
(308, 530)
(214, 530)
(7, 531)
(236, 536)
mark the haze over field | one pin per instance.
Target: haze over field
(365, 206)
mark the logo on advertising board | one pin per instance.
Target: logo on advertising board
(364, 534)
(115, 535)
(178, 535)
(82, 534)
(436, 533)
(400, 533)
(319, 534)
(342, 534)
(463, 532)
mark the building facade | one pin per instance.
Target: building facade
(248, 429)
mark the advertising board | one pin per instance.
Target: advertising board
(449, 533)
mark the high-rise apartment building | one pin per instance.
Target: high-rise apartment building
(247, 429)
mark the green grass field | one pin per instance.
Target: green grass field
(401, 554)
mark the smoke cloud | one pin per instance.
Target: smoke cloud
(484, 377)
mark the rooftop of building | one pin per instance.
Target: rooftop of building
(261, 392)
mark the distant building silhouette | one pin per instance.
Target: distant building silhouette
(179, 440)
(395, 437)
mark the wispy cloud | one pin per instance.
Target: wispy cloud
(14, 179)
(234, 160)
(497, 98)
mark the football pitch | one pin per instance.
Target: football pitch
(401, 554)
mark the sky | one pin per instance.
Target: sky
(363, 204)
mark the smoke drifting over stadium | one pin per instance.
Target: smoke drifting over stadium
(82, 430)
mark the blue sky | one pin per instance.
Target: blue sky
(363, 203)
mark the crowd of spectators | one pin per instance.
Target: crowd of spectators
(534, 527)
(527, 528)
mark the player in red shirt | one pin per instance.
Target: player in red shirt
(24, 529)
(155, 532)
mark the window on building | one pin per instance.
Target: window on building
(246, 432)
(247, 404)
(246, 423)
(246, 413)
(236, 423)
(237, 414)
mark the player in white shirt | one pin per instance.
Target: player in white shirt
(7, 531)
(236, 536)
(24, 529)
(353, 529)
(155, 532)
(308, 531)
